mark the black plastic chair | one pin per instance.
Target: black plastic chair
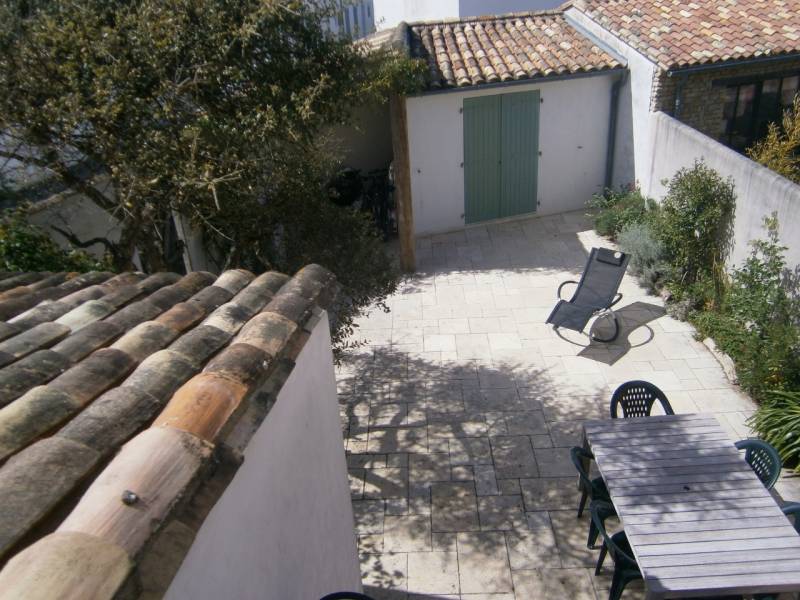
(597, 292)
(763, 459)
(590, 488)
(792, 509)
(625, 567)
(346, 596)
(636, 399)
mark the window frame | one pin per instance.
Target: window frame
(757, 80)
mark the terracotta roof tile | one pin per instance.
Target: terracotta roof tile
(65, 382)
(505, 48)
(679, 34)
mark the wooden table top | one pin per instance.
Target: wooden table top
(699, 521)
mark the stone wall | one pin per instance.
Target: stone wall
(702, 101)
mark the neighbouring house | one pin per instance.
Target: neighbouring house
(704, 80)
(726, 69)
(354, 19)
(171, 436)
(534, 112)
(390, 13)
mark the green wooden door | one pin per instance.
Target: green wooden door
(482, 129)
(520, 153)
(501, 151)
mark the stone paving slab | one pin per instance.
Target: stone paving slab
(459, 410)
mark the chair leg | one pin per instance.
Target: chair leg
(582, 504)
(616, 330)
(617, 585)
(601, 558)
(593, 533)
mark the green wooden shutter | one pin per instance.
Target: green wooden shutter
(501, 155)
(520, 153)
(482, 124)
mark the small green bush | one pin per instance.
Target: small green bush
(777, 421)
(616, 210)
(695, 226)
(757, 322)
(640, 241)
(25, 247)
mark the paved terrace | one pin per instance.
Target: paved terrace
(460, 411)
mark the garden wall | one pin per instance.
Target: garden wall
(759, 191)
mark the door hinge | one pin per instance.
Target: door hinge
(541, 100)
(462, 165)
(540, 152)
(461, 110)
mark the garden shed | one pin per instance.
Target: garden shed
(517, 118)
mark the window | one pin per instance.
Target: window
(749, 108)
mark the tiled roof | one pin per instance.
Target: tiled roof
(680, 34)
(136, 366)
(505, 48)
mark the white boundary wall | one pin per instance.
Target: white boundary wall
(283, 528)
(759, 191)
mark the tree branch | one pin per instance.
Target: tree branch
(67, 177)
(73, 239)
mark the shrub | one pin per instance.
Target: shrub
(695, 225)
(777, 421)
(647, 254)
(780, 150)
(757, 324)
(25, 247)
(616, 210)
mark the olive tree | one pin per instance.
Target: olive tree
(214, 109)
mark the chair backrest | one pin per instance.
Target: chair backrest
(763, 459)
(636, 399)
(577, 455)
(600, 512)
(601, 278)
(792, 509)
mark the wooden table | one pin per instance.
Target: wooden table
(699, 521)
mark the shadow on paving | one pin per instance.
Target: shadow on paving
(633, 318)
(476, 417)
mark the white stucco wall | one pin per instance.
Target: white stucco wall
(633, 153)
(389, 13)
(573, 129)
(77, 214)
(283, 529)
(759, 191)
(470, 8)
(366, 143)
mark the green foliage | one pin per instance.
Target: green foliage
(616, 209)
(695, 226)
(777, 421)
(640, 241)
(757, 322)
(25, 247)
(213, 109)
(780, 150)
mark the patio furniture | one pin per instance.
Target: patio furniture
(763, 459)
(625, 567)
(698, 519)
(346, 596)
(595, 295)
(792, 509)
(636, 399)
(590, 488)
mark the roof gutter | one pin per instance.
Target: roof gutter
(612, 128)
(718, 66)
(516, 82)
